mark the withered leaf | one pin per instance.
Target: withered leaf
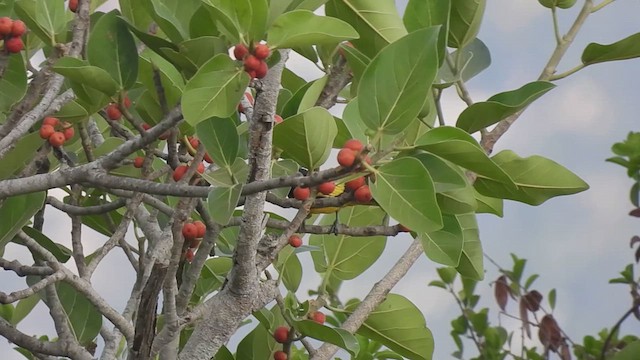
(635, 239)
(532, 300)
(565, 354)
(524, 317)
(501, 290)
(550, 334)
(635, 212)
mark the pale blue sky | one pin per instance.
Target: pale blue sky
(575, 243)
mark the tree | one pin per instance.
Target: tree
(153, 90)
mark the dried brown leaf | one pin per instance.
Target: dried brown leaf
(524, 317)
(565, 354)
(635, 212)
(549, 333)
(501, 290)
(532, 299)
(635, 239)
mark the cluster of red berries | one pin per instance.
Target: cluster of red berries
(281, 334)
(179, 172)
(193, 232)
(253, 60)
(195, 143)
(11, 32)
(55, 132)
(73, 5)
(113, 110)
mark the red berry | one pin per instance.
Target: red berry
(14, 45)
(189, 231)
(251, 63)
(249, 97)
(252, 74)
(189, 255)
(49, 120)
(208, 158)
(18, 28)
(68, 133)
(73, 5)
(194, 142)
(5, 26)
(354, 184)
(327, 187)
(46, 131)
(277, 118)
(353, 144)
(295, 241)
(262, 69)
(138, 161)
(201, 228)
(402, 228)
(200, 168)
(363, 194)
(318, 317)
(281, 334)
(146, 126)
(113, 112)
(346, 157)
(280, 355)
(301, 193)
(240, 51)
(126, 102)
(179, 172)
(261, 51)
(56, 139)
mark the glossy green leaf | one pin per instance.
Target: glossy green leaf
(46, 19)
(137, 15)
(227, 177)
(458, 201)
(223, 354)
(399, 325)
(60, 252)
(220, 138)
(461, 149)
(112, 48)
(154, 43)
(292, 105)
(489, 205)
(538, 179)
(84, 318)
(629, 352)
(15, 212)
(378, 22)
(358, 61)
(290, 268)
(257, 345)
(420, 14)
(215, 90)
(353, 122)
(345, 257)
(170, 78)
(13, 83)
(21, 155)
(244, 20)
(23, 308)
(6, 311)
(303, 28)
(464, 21)
(444, 246)
(291, 81)
(475, 57)
(81, 72)
(405, 190)
(164, 13)
(222, 201)
(335, 336)
(396, 83)
(212, 276)
(445, 175)
(482, 114)
(471, 261)
(283, 167)
(201, 49)
(627, 48)
(312, 94)
(313, 132)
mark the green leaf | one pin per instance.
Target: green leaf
(471, 261)
(396, 83)
(488, 205)
(137, 15)
(378, 22)
(6, 312)
(357, 61)
(405, 190)
(23, 308)
(458, 201)
(289, 267)
(399, 325)
(84, 318)
(307, 137)
(112, 48)
(475, 57)
(465, 21)
(215, 90)
(166, 18)
(461, 149)
(220, 138)
(303, 28)
(21, 155)
(170, 78)
(420, 14)
(46, 19)
(212, 276)
(627, 48)
(445, 175)
(482, 114)
(13, 83)
(241, 20)
(283, 167)
(336, 336)
(222, 202)
(629, 352)
(61, 253)
(312, 94)
(81, 72)
(444, 246)
(345, 257)
(538, 179)
(15, 212)
(201, 49)
(227, 177)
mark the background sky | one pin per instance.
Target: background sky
(576, 243)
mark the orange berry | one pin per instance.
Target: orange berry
(68, 133)
(6, 24)
(363, 195)
(194, 142)
(354, 144)
(46, 131)
(346, 157)
(281, 334)
(252, 74)
(277, 118)
(240, 51)
(295, 241)
(126, 102)
(146, 126)
(50, 120)
(179, 172)
(261, 51)
(113, 112)
(301, 193)
(200, 168)
(200, 227)
(56, 139)
(251, 63)
(354, 184)
(138, 161)
(14, 45)
(318, 317)
(189, 231)
(262, 69)
(280, 355)
(73, 5)
(327, 187)
(18, 28)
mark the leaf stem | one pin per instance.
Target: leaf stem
(601, 5)
(556, 27)
(567, 73)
